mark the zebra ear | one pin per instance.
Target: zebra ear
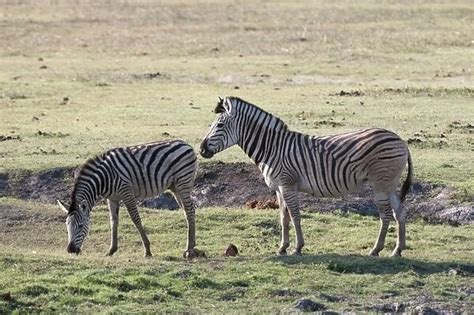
(220, 106)
(62, 207)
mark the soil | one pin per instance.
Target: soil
(242, 185)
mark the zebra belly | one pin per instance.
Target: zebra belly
(145, 187)
(326, 190)
(151, 191)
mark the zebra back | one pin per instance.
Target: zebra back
(147, 169)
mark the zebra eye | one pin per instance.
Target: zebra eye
(220, 125)
(80, 225)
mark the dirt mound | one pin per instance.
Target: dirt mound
(47, 186)
(242, 185)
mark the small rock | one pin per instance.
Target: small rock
(307, 305)
(231, 251)
(7, 296)
(65, 100)
(44, 67)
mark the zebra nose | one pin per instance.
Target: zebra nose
(203, 150)
(72, 249)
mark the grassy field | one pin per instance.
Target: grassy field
(333, 271)
(77, 79)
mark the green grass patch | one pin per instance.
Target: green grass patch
(334, 269)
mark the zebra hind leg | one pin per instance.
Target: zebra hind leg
(131, 205)
(182, 194)
(285, 225)
(114, 219)
(382, 202)
(290, 196)
(399, 214)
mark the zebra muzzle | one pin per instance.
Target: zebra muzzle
(72, 249)
(204, 150)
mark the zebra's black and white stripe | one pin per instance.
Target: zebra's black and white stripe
(328, 166)
(129, 174)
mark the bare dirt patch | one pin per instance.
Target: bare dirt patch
(46, 186)
(13, 219)
(241, 185)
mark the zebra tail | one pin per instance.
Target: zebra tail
(408, 181)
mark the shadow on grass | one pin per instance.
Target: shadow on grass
(11, 304)
(376, 265)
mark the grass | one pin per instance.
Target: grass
(79, 79)
(41, 276)
(103, 76)
(66, 135)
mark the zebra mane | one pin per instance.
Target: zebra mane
(77, 178)
(240, 105)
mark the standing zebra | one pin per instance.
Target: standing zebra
(128, 174)
(327, 166)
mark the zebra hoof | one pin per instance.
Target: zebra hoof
(374, 253)
(148, 255)
(111, 252)
(396, 253)
(194, 253)
(296, 253)
(189, 254)
(281, 252)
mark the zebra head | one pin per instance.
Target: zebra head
(77, 224)
(223, 132)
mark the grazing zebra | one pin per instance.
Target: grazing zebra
(128, 174)
(328, 166)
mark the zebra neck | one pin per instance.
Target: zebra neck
(87, 191)
(262, 143)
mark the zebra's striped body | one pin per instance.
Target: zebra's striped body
(328, 166)
(129, 174)
(335, 165)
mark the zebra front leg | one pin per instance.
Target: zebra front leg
(399, 214)
(114, 219)
(290, 196)
(183, 196)
(285, 225)
(383, 206)
(131, 205)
